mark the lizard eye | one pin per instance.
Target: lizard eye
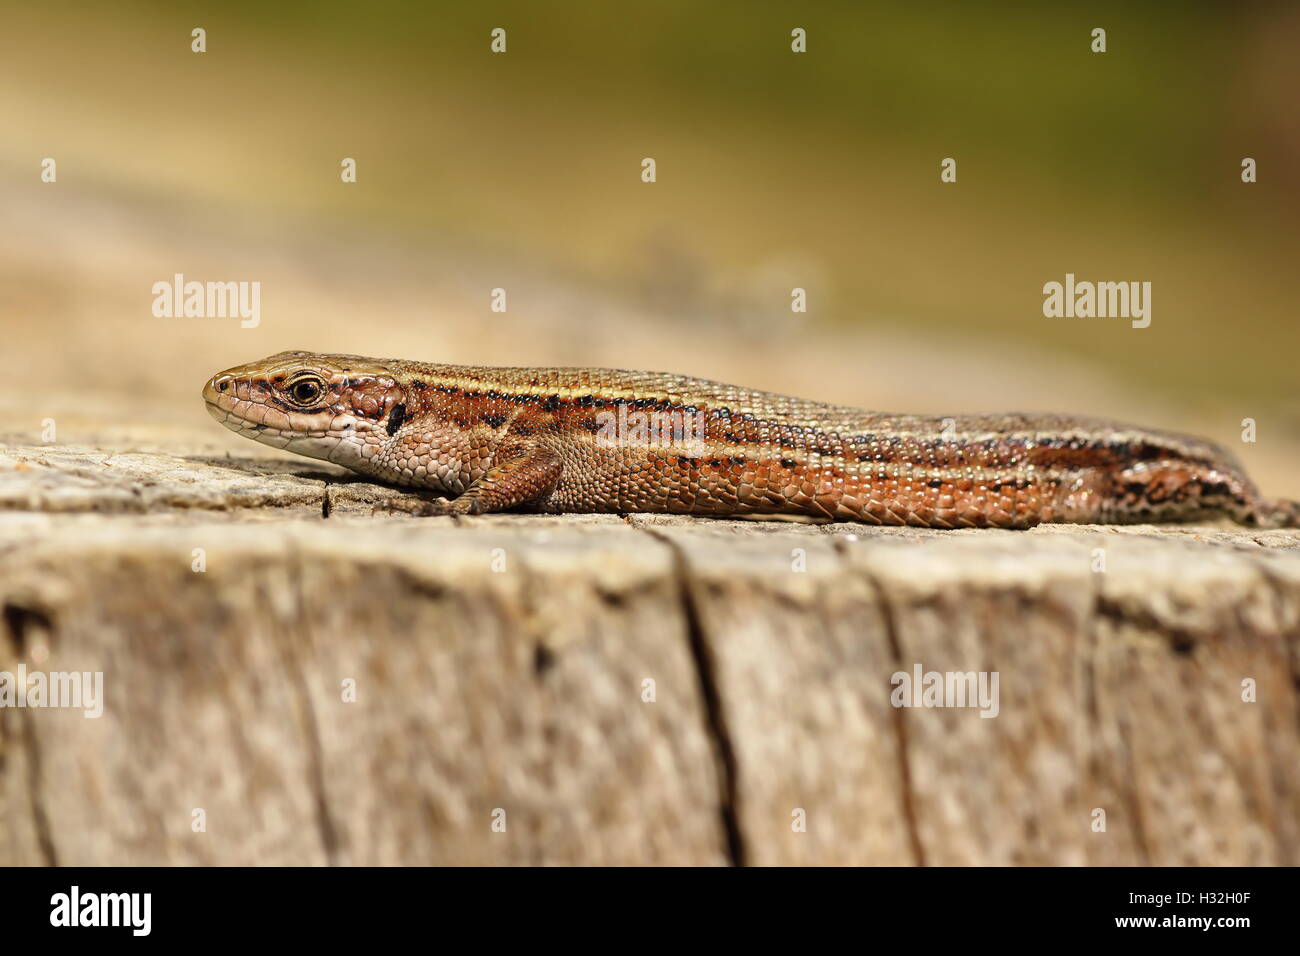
(307, 391)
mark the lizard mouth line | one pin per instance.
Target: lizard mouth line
(231, 418)
(260, 431)
(337, 446)
(237, 423)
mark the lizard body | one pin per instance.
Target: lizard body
(568, 440)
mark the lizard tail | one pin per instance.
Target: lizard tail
(1280, 513)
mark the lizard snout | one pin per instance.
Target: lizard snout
(215, 386)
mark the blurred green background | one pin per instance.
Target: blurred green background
(775, 170)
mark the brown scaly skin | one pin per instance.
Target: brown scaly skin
(550, 439)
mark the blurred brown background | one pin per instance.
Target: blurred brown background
(775, 170)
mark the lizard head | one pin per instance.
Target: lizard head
(339, 408)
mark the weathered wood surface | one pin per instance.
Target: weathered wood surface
(501, 664)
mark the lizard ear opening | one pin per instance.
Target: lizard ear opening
(395, 418)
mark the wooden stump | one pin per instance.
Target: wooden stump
(337, 686)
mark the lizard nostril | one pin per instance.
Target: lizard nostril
(216, 384)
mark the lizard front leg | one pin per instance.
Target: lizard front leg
(521, 475)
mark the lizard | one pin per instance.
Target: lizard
(585, 440)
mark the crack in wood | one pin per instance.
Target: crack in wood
(907, 796)
(19, 621)
(715, 714)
